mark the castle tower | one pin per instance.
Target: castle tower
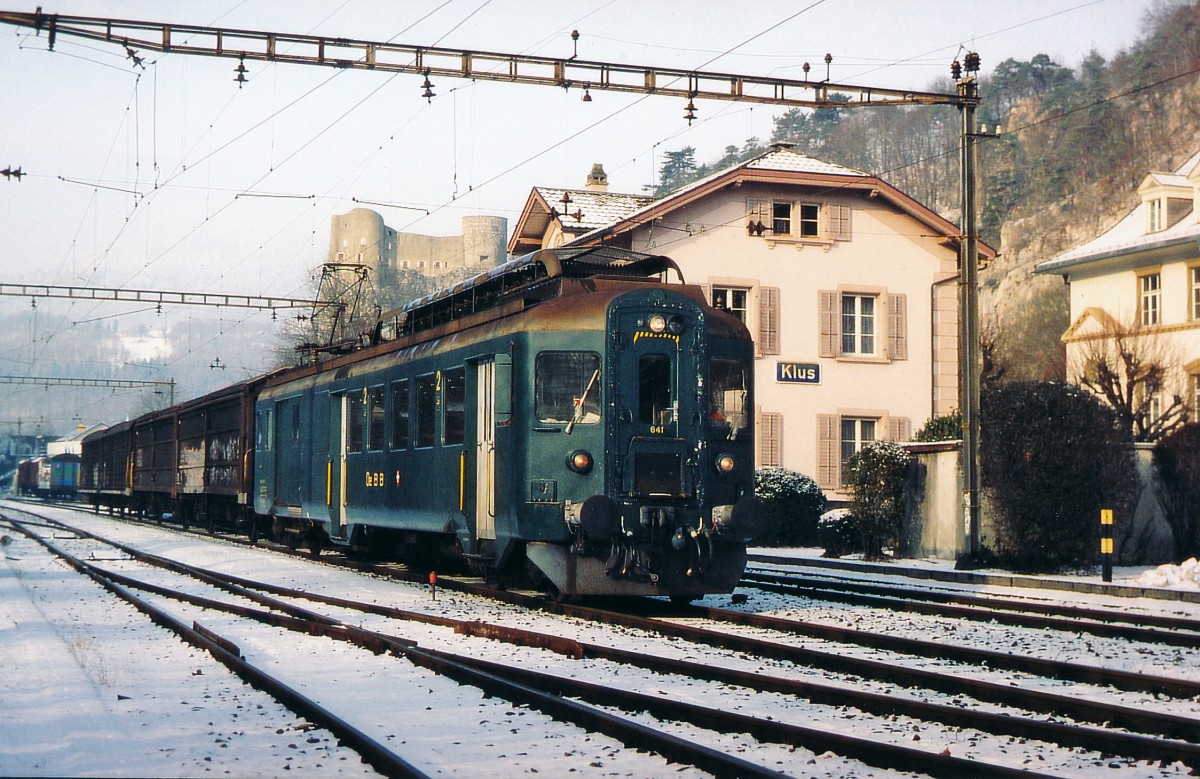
(485, 242)
(360, 237)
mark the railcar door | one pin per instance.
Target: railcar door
(335, 473)
(655, 374)
(485, 451)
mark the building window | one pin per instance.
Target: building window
(1153, 404)
(810, 220)
(1194, 392)
(1196, 292)
(735, 300)
(1151, 297)
(857, 432)
(858, 324)
(1156, 214)
(781, 218)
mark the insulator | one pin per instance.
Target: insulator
(689, 112)
(955, 70)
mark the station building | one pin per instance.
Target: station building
(849, 287)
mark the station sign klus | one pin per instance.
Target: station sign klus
(798, 372)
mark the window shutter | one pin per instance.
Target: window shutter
(839, 223)
(899, 429)
(829, 461)
(768, 320)
(898, 327)
(829, 323)
(770, 440)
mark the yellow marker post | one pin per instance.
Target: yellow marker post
(1106, 543)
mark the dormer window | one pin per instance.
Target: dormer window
(1156, 216)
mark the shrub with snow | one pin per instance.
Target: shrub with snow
(837, 533)
(793, 502)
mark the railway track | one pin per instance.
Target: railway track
(1145, 745)
(1152, 628)
(546, 691)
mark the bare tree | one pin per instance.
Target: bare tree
(1130, 368)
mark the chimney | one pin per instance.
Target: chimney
(597, 180)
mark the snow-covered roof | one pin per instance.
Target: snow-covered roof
(595, 209)
(1129, 235)
(782, 158)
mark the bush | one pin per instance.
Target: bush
(837, 533)
(1178, 459)
(793, 502)
(878, 473)
(1050, 457)
(947, 428)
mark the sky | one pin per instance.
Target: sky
(169, 176)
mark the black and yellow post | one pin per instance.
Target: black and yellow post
(1106, 543)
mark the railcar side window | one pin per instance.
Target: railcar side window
(375, 436)
(454, 384)
(355, 410)
(654, 390)
(567, 385)
(426, 409)
(400, 415)
(727, 397)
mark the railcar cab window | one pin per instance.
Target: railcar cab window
(567, 387)
(400, 415)
(355, 413)
(654, 390)
(454, 417)
(727, 397)
(426, 409)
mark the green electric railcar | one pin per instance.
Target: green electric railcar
(569, 417)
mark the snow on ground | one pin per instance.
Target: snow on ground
(67, 651)
(1185, 576)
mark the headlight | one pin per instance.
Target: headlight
(725, 463)
(657, 324)
(675, 326)
(580, 461)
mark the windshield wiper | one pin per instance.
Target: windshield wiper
(579, 408)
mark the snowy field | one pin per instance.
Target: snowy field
(88, 687)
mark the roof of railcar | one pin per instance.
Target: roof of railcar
(561, 283)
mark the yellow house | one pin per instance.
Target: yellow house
(1140, 281)
(848, 285)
